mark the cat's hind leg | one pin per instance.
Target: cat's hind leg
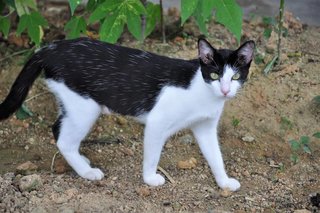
(71, 128)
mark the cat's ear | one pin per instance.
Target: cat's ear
(206, 51)
(246, 51)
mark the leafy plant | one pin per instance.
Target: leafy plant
(235, 122)
(301, 145)
(228, 13)
(114, 15)
(285, 124)
(30, 19)
(279, 29)
(23, 112)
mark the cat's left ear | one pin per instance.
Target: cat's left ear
(246, 51)
(206, 51)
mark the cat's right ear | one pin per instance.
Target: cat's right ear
(205, 50)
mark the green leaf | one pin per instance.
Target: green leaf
(2, 5)
(306, 149)
(23, 112)
(153, 15)
(91, 5)
(33, 22)
(229, 13)
(10, 3)
(73, 5)
(22, 6)
(134, 25)
(137, 7)
(187, 9)
(304, 140)
(112, 28)
(75, 27)
(4, 26)
(201, 21)
(267, 33)
(317, 135)
(294, 158)
(316, 99)
(269, 21)
(295, 145)
(206, 8)
(102, 10)
(270, 65)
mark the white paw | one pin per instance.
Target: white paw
(154, 180)
(93, 174)
(85, 158)
(230, 183)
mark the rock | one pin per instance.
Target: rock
(246, 173)
(143, 191)
(61, 166)
(226, 193)
(39, 209)
(61, 199)
(66, 209)
(187, 139)
(248, 138)
(26, 168)
(127, 151)
(71, 192)
(30, 182)
(187, 164)
(121, 120)
(302, 211)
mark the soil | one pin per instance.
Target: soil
(255, 130)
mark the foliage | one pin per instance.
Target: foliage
(30, 19)
(301, 145)
(280, 30)
(114, 15)
(23, 113)
(228, 13)
(286, 124)
(235, 122)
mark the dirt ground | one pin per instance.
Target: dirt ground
(254, 134)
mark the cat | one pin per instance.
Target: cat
(90, 77)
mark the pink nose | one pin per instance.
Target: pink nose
(225, 92)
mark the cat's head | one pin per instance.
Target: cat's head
(225, 70)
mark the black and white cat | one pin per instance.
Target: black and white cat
(89, 77)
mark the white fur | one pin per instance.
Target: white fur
(199, 108)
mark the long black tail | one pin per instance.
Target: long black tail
(21, 86)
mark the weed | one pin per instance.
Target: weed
(235, 122)
(301, 145)
(286, 124)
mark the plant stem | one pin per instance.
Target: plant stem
(280, 26)
(143, 20)
(163, 30)
(15, 54)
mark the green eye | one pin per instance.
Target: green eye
(214, 76)
(236, 76)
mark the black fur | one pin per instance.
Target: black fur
(20, 88)
(125, 80)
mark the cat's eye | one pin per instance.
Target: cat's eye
(236, 76)
(214, 76)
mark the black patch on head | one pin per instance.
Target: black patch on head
(214, 61)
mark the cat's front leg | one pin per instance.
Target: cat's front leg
(206, 135)
(154, 139)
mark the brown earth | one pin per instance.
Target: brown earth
(270, 110)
